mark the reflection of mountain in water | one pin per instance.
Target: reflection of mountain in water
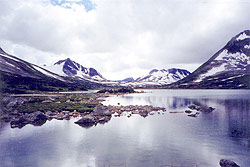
(238, 115)
(235, 112)
(168, 102)
(174, 102)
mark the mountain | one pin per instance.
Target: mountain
(70, 68)
(18, 76)
(130, 79)
(13, 65)
(164, 76)
(228, 68)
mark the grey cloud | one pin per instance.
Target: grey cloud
(122, 34)
(28, 25)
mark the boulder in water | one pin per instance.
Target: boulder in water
(86, 121)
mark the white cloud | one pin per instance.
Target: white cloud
(121, 38)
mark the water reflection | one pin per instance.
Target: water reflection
(231, 113)
(136, 141)
(238, 115)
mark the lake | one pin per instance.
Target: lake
(158, 140)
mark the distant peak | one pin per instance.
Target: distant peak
(163, 70)
(243, 35)
(129, 79)
(152, 71)
(68, 60)
(238, 42)
(181, 71)
(62, 61)
(246, 32)
(73, 69)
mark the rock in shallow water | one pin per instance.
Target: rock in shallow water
(201, 108)
(188, 111)
(101, 111)
(86, 121)
(39, 118)
(228, 163)
(36, 119)
(18, 123)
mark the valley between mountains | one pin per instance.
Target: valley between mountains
(229, 68)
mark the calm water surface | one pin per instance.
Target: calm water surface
(157, 140)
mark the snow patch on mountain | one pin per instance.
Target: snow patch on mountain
(11, 65)
(247, 46)
(237, 60)
(226, 61)
(47, 73)
(242, 36)
(5, 55)
(233, 58)
(58, 69)
(211, 72)
(230, 78)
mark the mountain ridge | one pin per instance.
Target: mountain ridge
(19, 76)
(227, 68)
(164, 76)
(68, 67)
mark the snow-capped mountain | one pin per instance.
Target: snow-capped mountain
(70, 68)
(18, 76)
(228, 68)
(164, 76)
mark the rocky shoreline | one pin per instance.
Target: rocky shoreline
(36, 110)
(103, 114)
(21, 111)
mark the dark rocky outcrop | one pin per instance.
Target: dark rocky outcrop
(36, 119)
(18, 123)
(228, 163)
(101, 114)
(188, 111)
(101, 111)
(143, 111)
(86, 121)
(201, 108)
(198, 108)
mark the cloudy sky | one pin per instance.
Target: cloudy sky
(121, 38)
